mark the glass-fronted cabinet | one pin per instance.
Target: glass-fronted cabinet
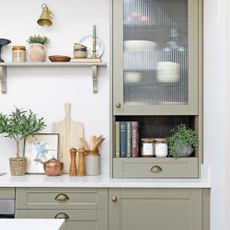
(155, 57)
(157, 85)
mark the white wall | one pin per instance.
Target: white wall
(44, 90)
(215, 99)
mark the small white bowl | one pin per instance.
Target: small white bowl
(132, 77)
(139, 45)
(168, 72)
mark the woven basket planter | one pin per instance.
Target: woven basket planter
(18, 166)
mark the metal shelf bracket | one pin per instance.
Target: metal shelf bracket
(95, 78)
(3, 75)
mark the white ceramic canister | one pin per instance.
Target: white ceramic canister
(92, 163)
(161, 147)
(168, 72)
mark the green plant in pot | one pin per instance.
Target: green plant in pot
(38, 47)
(18, 125)
(182, 142)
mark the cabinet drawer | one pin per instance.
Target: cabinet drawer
(7, 193)
(155, 167)
(61, 198)
(77, 219)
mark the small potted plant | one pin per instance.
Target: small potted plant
(182, 142)
(18, 125)
(38, 48)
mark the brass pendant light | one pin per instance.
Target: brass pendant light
(46, 16)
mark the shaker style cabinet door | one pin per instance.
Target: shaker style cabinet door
(156, 57)
(158, 209)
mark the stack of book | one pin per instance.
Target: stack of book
(127, 139)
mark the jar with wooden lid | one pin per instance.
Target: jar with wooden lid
(147, 149)
(18, 54)
(161, 147)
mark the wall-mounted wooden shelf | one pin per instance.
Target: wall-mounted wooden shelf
(4, 66)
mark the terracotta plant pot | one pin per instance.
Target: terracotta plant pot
(37, 52)
(18, 166)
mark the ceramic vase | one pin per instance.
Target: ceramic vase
(183, 150)
(37, 52)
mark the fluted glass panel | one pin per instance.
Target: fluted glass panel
(155, 52)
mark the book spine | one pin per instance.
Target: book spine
(117, 136)
(129, 128)
(123, 139)
(135, 139)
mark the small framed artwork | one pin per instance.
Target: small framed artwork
(42, 146)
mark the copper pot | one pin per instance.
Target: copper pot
(52, 167)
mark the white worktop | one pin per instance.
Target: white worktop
(35, 224)
(102, 181)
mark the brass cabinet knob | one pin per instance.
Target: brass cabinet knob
(118, 105)
(61, 215)
(114, 198)
(156, 169)
(61, 197)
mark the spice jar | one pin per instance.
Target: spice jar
(147, 147)
(18, 54)
(161, 147)
(80, 51)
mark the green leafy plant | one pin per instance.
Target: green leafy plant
(181, 135)
(19, 125)
(38, 39)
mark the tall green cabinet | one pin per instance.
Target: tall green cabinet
(157, 80)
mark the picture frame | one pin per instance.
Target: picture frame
(42, 146)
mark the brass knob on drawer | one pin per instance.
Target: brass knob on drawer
(61, 197)
(156, 169)
(114, 199)
(118, 105)
(61, 215)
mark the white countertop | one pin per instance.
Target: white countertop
(102, 181)
(35, 224)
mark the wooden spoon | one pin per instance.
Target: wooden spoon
(84, 143)
(94, 141)
(99, 142)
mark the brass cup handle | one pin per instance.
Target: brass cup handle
(156, 169)
(61, 197)
(118, 105)
(61, 215)
(114, 199)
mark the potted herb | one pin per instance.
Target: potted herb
(38, 48)
(18, 125)
(182, 142)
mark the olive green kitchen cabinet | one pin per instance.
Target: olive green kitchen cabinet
(7, 193)
(156, 80)
(159, 209)
(82, 208)
(156, 57)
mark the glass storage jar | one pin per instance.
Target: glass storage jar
(18, 54)
(161, 147)
(147, 149)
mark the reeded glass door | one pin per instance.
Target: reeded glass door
(159, 50)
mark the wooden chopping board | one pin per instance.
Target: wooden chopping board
(69, 134)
